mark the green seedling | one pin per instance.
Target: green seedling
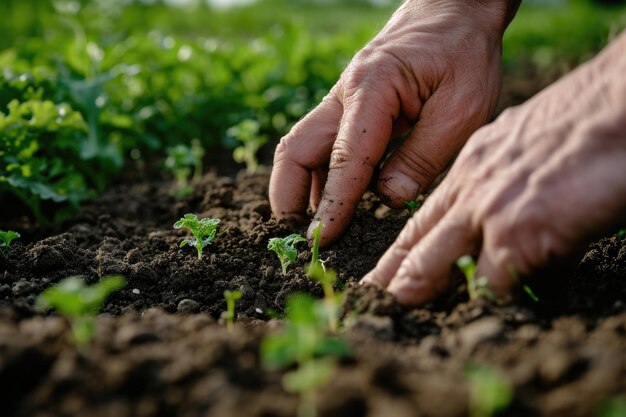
(413, 206)
(621, 234)
(615, 407)
(203, 230)
(229, 315)
(80, 303)
(490, 392)
(180, 160)
(6, 237)
(305, 343)
(476, 287)
(515, 276)
(317, 271)
(247, 134)
(285, 249)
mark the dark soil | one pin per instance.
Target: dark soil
(161, 350)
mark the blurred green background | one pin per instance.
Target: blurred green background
(89, 88)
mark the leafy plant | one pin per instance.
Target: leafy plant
(6, 237)
(303, 342)
(621, 234)
(476, 287)
(413, 206)
(80, 303)
(490, 392)
(285, 249)
(229, 315)
(247, 134)
(203, 230)
(180, 160)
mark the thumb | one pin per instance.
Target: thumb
(445, 123)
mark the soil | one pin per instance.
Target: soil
(160, 348)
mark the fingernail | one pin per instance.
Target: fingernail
(400, 186)
(407, 290)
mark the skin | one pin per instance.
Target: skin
(533, 187)
(432, 73)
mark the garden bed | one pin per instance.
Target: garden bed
(160, 348)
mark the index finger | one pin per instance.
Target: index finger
(364, 133)
(304, 149)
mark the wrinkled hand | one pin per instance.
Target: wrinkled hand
(533, 186)
(434, 69)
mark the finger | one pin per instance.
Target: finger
(361, 141)
(426, 270)
(305, 148)
(441, 131)
(424, 220)
(499, 267)
(318, 178)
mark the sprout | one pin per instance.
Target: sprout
(180, 159)
(247, 134)
(6, 237)
(203, 230)
(476, 287)
(285, 249)
(229, 315)
(303, 342)
(490, 392)
(413, 206)
(80, 303)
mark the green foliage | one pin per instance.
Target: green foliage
(79, 303)
(6, 237)
(621, 234)
(285, 249)
(304, 342)
(476, 287)
(250, 141)
(413, 206)
(229, 315)
(490, 392)
(180, 161)
(615, 407)
(203, 230)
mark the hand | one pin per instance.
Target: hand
(533, 186)
(433, 69)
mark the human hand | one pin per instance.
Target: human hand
(434, 69)
(530, 188)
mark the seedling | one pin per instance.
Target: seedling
(203, 230)
(6, 238)
(229, 315)
(476, 287)
(413, 206)
(180, 159)
(80, 303)
(247, 134)
(615, 407)
(317, 271)
(305, 343)
(490, 392)
(285, 249)
(515, 276)
(621, 234)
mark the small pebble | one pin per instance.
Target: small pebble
(135, 291)
(188, 306)
(258, 310)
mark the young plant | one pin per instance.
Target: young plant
(247, 134)
(413, 206)
(476, 287)
(621, 234)
(285, 249)
(203, 230)
(317, 271)
(180, 160)
(490, 392)
(80, 303)
(303, 342)
(229, 315)
(6, 237)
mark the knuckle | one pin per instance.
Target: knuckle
(421, 166)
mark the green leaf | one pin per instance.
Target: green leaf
(6, 237)
(490, 391)
(309, 376)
